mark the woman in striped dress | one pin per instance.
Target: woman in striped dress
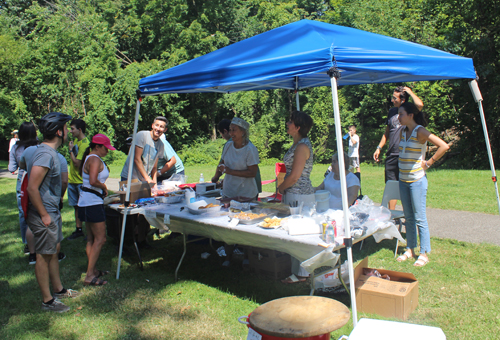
(413, 180)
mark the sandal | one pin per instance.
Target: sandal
(421, 261)
(293, 279)
(405, 256)
(102, 273)
(95, 282)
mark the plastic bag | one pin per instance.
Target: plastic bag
(331, 279)
(323, 258)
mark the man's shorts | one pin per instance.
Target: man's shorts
(92, 213)
(354, 161)
(74, 193)
(392, 168)
(46, 238)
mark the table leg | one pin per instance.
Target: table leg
(182, 257)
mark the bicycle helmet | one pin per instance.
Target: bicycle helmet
(53, 122)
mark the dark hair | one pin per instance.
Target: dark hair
(162, 119)
(91, 146)
(402, 93)
(303, 121)
(418, 116)
(27, 135)
(223, 125)
(79, 124)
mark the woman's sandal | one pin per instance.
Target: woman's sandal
(95, 282)
(421, 261)
(405, 256)
(102, 273)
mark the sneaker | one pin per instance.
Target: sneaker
(76, 234)
(56, 306)
(61, 256)
(70, 293)
(26, 250)
(32, 258)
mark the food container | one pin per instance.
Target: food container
(322, 200)
(304, 317)
(202, 188)
(193, 208)
(250, 220)
(170, 199)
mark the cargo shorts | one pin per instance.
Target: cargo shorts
(46, 237)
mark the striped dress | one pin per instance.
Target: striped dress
(411, 155)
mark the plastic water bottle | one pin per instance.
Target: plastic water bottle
(345, 136)
(329, 234)
(202, 179)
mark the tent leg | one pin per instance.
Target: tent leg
(129, 179)
(478, 98)
(343, 186)
(297, 101)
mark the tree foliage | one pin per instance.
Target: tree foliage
(85, 58)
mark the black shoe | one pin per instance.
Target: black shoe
(26, 250)
(76, 234)
(61, 256)
(32, 258)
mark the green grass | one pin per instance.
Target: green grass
(458, 289)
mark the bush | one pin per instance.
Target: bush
(208, 153)
(115, 156)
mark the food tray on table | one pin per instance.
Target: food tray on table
(250, 217)
(199, 209)
(272, 223)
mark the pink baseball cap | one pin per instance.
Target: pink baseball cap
(104, 140)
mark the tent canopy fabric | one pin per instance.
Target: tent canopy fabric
(298, 55)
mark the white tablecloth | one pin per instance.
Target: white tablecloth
(301, 247)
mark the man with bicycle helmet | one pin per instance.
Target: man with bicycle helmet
(44, 217)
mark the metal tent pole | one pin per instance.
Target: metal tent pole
(297, 102)
(127, 195)
(343, 186)
(479, 100)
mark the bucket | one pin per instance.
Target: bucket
(322, 195)
(271, 337)
(322, 200)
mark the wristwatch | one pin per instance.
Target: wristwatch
(378, 147)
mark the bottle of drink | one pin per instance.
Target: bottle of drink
(329, 234)
(202, 179)
(345, 136)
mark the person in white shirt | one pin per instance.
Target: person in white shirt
(354, 148)
(332, 184)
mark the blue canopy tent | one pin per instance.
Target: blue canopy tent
(308, 54)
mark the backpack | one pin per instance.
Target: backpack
(25, 199)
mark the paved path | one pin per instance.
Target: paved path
(452, 224)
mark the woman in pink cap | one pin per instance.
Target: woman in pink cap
(91, 205)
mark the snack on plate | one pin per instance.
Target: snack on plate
(248, 216)
(210, 205)
(271, 223)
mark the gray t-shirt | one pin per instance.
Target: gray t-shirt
(151, 151)
(50, 188)
(394, 132)
(239, 159)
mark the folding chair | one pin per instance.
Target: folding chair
(391, 192)
(280, 172)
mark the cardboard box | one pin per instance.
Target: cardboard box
(396, 298)
(271, 263)
(137, 190)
